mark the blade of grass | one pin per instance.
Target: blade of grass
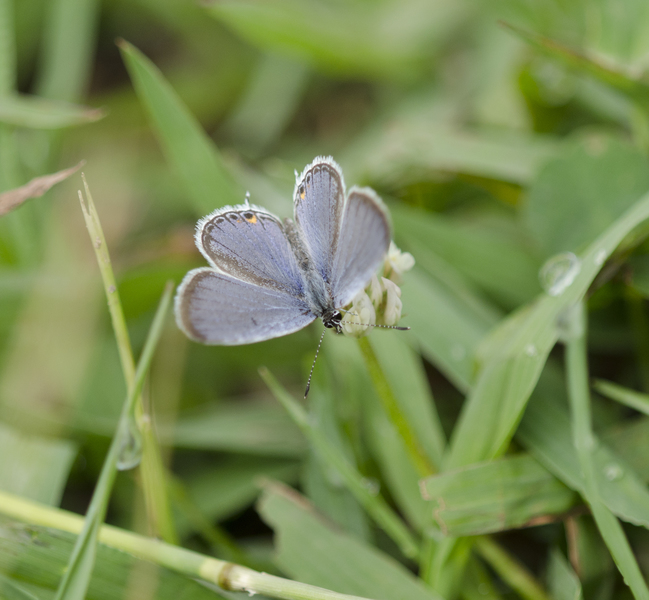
(396, 415)
(38, 113)
(153, 471)
(631, 398)
(634, 87)
(75, 581)
(579, 397)
(68, 49)
(512, 571)
(516, 352)
(7, 48)
(227, 576)
(373, 503)
(185, 143)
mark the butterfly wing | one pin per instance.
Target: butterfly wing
(216, 308)
(255, 290)
(250, 244)
(318, 204)
(362, 245)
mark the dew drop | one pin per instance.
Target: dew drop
(130, 452)
(600, 257)
(613, 472)
(371, 485)
(558, 273)
(531, 351)
(570, 324)
(458, 352)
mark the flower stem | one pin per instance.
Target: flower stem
(393, 410)
(226, 575)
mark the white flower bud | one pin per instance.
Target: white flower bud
(393, 304)
(361, 315)
(397, 263)
(375, 291)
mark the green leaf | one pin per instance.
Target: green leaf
(517, 352)
(74, 584)
(614, 75)
(334, 458)
(502, 494)
(38, 467)
(486, 256)
(221, 491)
(382, 41)
(563, 581)
(255, 427)
(39, 113)
(186, 145)
(450, 339)
(329, 558)
(636, 400)
(36, 556)
(68, 49)
(577, 194)
(545, 432)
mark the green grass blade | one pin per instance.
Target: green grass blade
(226, 575)
(329, 557)
(562, 579)
(68, 49)
(517, 352)
(75, 581)
(634, 86)
(631, 398)
(501, 494)
(39, 113)
(187, 146)
(153, 471)
(373, 503)
(579, 396)
(545, 432)
(7, 48)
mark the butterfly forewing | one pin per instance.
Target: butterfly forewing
(319, 200)
(215, 308)
(362, 245)
(250, 244)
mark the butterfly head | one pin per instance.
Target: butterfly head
(332, 320)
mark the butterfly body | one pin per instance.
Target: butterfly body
(269, 278)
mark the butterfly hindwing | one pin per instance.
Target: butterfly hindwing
(362, 245)
(215, 308)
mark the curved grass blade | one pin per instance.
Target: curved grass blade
(187, 146)
(32, 112)
(75, 581)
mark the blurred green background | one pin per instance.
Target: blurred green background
(500, 134)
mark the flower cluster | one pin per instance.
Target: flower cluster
(380, 302)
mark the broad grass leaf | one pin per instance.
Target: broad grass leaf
(518, 352)
(563, 582)
(546, 433)
(329, 558)
(187, 146)
(446, 328)
(257, 427)
(39, 113)
(491, 260)
(36, 556)
(388, 41)
(581, 191)
(34, 467)
(515, 491)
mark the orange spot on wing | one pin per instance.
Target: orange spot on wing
(252, 219)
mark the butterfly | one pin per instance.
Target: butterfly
(268, 278)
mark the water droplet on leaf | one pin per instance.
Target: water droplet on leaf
(130, 452)
(613, 472)
(558, 273)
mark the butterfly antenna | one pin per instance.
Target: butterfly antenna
(376, 324)
(308, 383)
(247, 200)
